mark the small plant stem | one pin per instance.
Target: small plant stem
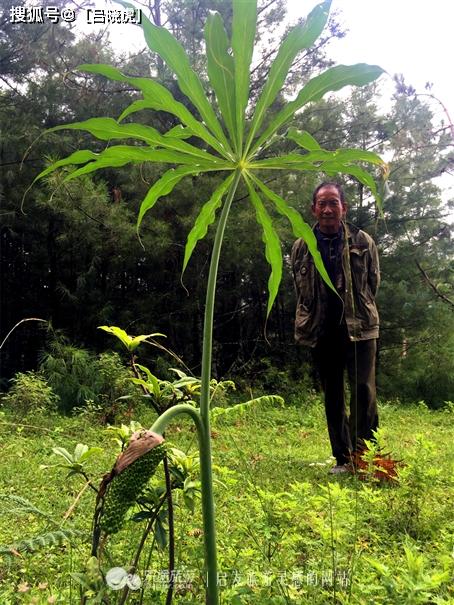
(145, 535)
(18, 324)
(76, 500)
(171, 532)
(146, 567)
(88, 480)
(212, 593)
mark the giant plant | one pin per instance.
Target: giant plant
(229, 137)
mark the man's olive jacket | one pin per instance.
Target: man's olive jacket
(357, 286)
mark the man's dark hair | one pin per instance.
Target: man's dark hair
(338, 186)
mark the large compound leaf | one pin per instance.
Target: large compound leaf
(299, 38)
(156, 97)
(299, 226)
(331, 80)
(221, 71)
(205, 218)
(270, 238)
(243, 34)
(107, 129)
(161, 41)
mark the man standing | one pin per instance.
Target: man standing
(341, 328)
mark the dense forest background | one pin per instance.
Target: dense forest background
(70, 255)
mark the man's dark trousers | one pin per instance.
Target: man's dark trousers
(334, 353)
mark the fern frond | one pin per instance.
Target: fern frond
(241, 408)
(54, 538)
(24, 506)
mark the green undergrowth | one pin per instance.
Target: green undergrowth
(288, 531)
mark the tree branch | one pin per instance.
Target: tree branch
(434, 287)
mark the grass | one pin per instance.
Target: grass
(288, 532)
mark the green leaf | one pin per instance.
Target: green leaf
(145, 370)
(136, 106)
(243, 34)
(161, 41)
(78, 157)
(239, 409)
(179, 132)
(331, 80)
(120, 155)
(61, 451)
(273, 251)
(163, 187)
(221, 68)
(299, 226)
(316, 160)
(306, 141)
(135, 342)
(107, 129)
(142, 516)
(366, 179)
(160, 534)
(140, 382)
(159, 98)
(119, 333)
(329, 162)
(299, 38)
(205, 218)
(303, 139)
(80, 449)
(91, 451)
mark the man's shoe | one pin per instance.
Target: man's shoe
(340, 468)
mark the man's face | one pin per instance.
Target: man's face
(328, 209)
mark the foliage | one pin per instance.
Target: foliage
(239, 409)
(413, 584)
(70, 371)
(85, 382)
(30, 393)
(29, 545)
(75, 463)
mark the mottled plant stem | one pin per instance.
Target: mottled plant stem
(209, 527)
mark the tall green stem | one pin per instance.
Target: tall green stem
(202, 418)
(209, 528)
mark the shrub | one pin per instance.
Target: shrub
(30, 393)
(70, 371)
